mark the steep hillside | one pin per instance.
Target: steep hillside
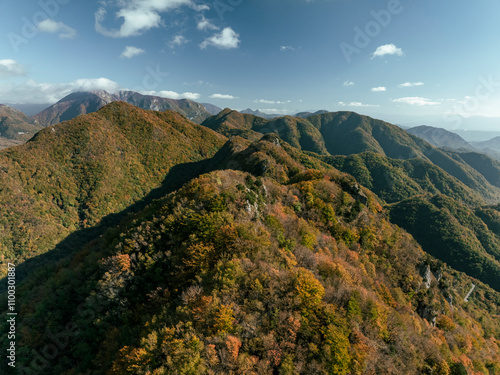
(80, 103)
(440, 137)
(445, 216)
(298, 132)
(71, 175)
(188, 253)
(452, 233)
(15, 125)
(283, 270)
(399, 168)
(488, 167)
(232, 123)
(394, 180)
(348, 133)
(295, 131)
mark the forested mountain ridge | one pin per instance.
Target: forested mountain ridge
(71, 175)
(348, 133)
(216, 255)
(437, 209)
(285, 265)
(400, 168)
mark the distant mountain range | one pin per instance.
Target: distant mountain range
(271, 116)
(256, 112)
(309, 114)
(80, 103)
(15, 126)
(490, 147)
(443, 138)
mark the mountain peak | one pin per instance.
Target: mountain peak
(98, 92)
(83, 102)
(103, 94)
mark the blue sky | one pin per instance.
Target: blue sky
(402, 61)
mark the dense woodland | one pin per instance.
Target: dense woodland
(180, 251)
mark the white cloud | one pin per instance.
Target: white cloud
(387, 49)
(379, 89)
(139, 15)
(275, 111)
(348, 83)
(87, 84)
(411, 84)
(178, 40)
(173, 94)
(135, 22)
(200, 8)
(33, 92)
(53, 27)
(226, 39)
(287, 48)
(11, 68)
(415, 100)
(356, 104)
(131, 51)
(265, 101)
(204, 24)
(223, 96)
